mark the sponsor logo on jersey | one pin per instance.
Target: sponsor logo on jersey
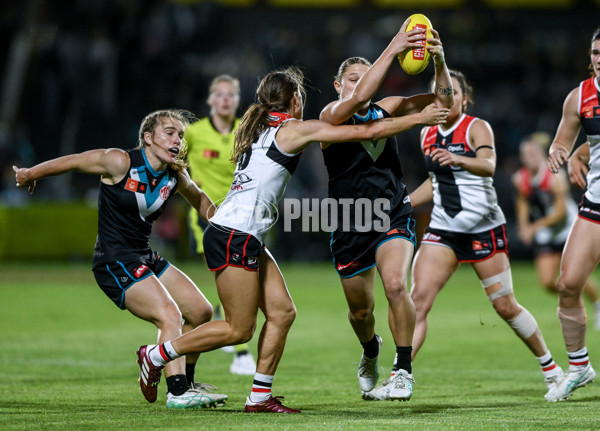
(596, 111)
(210, 154)
(456, 148)
(124, 279)
(138, 272)
(239, 180)
(350, 265)
(477, 245)
(165, 191)
(236, 258)
(252, 261)
(136, 186)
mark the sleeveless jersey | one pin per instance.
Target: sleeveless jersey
(589, 112)
(462, 201)
(208, 155)
(367, 169)
(127, 209)
(260, 178)
(539, 194)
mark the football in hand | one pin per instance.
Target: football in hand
(415, 60)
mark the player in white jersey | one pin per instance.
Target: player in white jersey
(545, 213)
(467, 225)
(582, 252)
(268, 143)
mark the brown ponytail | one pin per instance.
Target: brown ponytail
(274, 94)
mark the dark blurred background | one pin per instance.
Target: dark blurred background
(79, 75)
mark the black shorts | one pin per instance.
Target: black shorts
(354, 252)
(116, 276)
(469, 247)
(589, 210)
(224, 247)
(539, 249)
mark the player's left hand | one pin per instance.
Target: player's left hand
(435, 48)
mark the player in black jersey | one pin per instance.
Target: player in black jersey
(134, 189)
(268, 145)
(371, 169)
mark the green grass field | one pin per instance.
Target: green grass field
(68, 361)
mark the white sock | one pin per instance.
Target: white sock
(549, 367)
(161, 354)
(578, 359)
(261, 388)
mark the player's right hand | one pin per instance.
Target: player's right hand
(557, 158)
(577, 172)
(23, 180)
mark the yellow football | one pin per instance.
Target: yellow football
(416, 60)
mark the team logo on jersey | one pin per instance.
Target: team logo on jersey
(500, 243)
(138, 272)
(239, 180)
(252, 261)
(136, 186)
(165, 191)
(236, 258)
(374, 148)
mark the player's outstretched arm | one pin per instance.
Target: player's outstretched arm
(111, 163)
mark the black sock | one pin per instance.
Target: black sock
(402, 360)
(177, 384)
(371, 348)
(190, 369)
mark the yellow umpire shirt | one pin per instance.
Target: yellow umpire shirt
(208, 155)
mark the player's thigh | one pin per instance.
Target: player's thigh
(190, 300)
(359, 290)
(581, 253)
(275, 299)
(239, 293)
(393, 260)
(432, 268)
(547, 266)
(149, 300)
